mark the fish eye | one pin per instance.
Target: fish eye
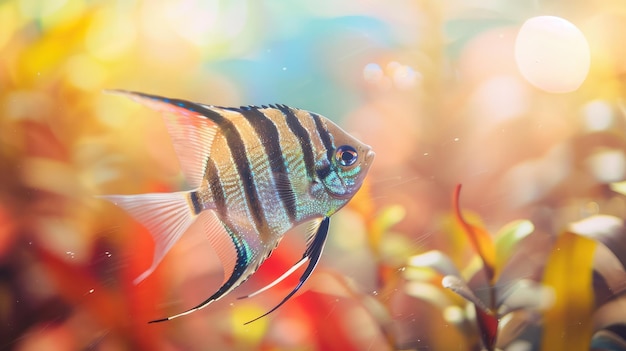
(346, 155)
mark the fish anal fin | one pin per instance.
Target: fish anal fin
(220, 241)
(192, 133)
(167, 216)
(234, 256)
(312, 253)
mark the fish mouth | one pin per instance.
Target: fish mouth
(369, 157)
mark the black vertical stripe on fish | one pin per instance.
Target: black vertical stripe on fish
(324, 135)
(217, 191)
(238, 151)
(195, 202)
(323, 172)
(303, 138)
(267, 132)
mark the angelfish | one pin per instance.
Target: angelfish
(256, 172)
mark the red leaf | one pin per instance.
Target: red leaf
(488, 325)
(478, 237)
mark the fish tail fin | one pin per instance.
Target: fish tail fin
(167, 216)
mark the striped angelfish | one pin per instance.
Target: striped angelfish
(256, 172)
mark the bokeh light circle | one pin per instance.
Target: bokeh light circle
(552, 54)
(372, 73)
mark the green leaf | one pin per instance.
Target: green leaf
(507, 239)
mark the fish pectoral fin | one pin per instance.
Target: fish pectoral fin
(293, 268)
(192, 134)
(312, 229)
(167, 216)
(312, 254)
(287, 189)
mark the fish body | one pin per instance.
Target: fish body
(256, 172)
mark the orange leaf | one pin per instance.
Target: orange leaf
(478, 237)
(569, 271)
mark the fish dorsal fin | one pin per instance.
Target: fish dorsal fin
(192, 134)
(192, 139)
(167, 216)
(315, 246)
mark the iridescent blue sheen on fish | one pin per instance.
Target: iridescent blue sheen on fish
(256, 172)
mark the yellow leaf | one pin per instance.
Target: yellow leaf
(619, 187)
(569, 272)
(380, 225)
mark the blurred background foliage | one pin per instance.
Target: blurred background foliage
(532, 258)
